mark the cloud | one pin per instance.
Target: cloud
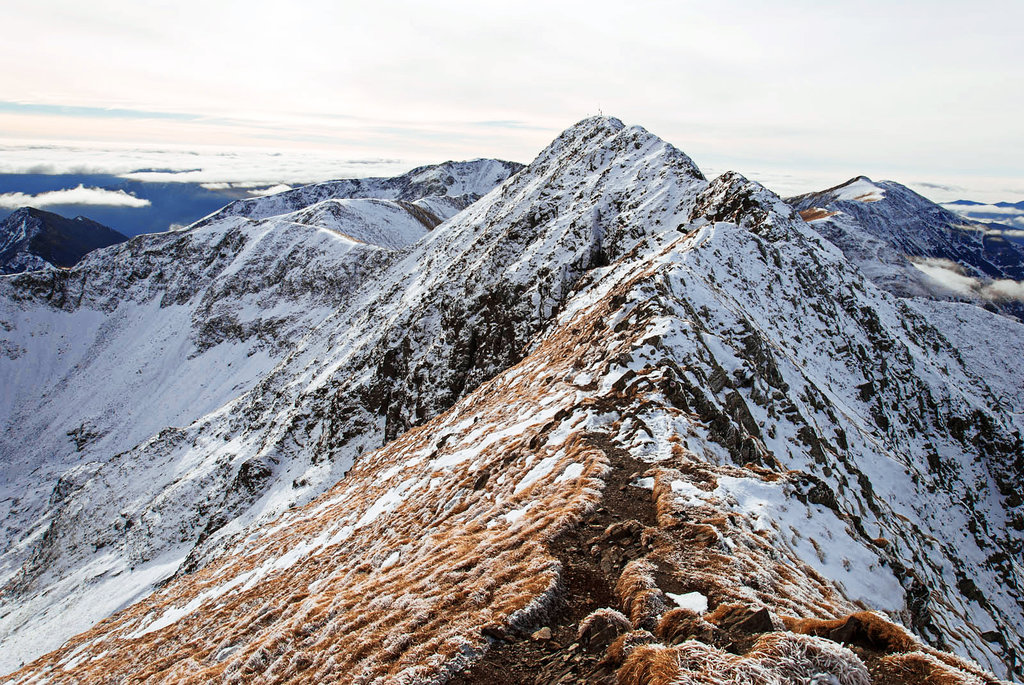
(952, 276)
(939, 186)
(272, 190)
(79, 195)
(985, 209)
(1013, 216)
(217, 168)
(1007, 289)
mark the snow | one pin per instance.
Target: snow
(513, 516)
(388, 501)
(813, 533)
(694, 601)
(543, 468)
(571, 472)
(860, 190)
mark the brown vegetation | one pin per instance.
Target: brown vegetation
(815, 213)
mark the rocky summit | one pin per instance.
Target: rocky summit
(597, 419)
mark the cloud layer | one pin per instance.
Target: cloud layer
(951, 276)
(79, 195)
(215, 168)
(1009, 216)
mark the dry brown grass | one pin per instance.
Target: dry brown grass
(916, 668)
(624, 645)
(861, 628)
(649, 665)
(679, 625)
(815, 213)
(602, 627)
(639, 594)
(776, 658)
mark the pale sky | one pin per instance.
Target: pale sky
(919, 92)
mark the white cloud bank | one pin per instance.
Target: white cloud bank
(272, 190)
(951, 275)
(215, 168)
(1010, 216)
(79, 195)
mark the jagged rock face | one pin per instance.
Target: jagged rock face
(33, 240)
(606, 342)
(884, 227)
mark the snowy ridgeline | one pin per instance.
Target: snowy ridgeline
(198, 384)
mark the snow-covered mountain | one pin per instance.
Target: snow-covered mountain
(662, 417)
(914, 247)
(439, 190)
(142, 340)
(31, 239)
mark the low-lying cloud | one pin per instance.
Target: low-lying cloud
(272, 190)
(79, 195)
(215, 168)
(952, 276)
(1009, 216)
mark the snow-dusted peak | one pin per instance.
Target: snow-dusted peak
(593, 142)
(389, 224)
(859, 189)
(475, 177)
(890, 231)
(460, 183)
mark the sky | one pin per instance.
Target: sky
(799, 95)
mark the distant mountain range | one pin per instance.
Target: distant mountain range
(597, 419)
(31, 239)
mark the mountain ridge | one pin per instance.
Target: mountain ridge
(608, 300)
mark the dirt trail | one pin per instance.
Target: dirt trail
(591, 569)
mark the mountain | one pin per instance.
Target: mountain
(914, 247)
(31, 239)
(439, 189)
(143, 339)
(611, 421)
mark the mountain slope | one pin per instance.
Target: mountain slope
(31, 239)
(114, 356)
(358, 377)
(608, 386)
(914, 247)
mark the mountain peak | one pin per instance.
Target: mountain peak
(454, 184)
(599, 121)
(592, 144)
(32, 239)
